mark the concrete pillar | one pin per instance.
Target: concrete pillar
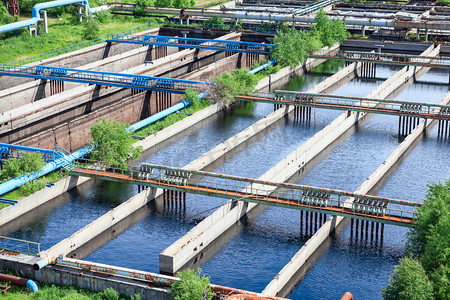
(187, 20)
(418, 34)
(363, 30)
(86, 12)
(426, 35)
(33, 31)
(80, 15)
(44, 15)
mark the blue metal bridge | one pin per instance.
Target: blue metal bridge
(220, 45)
(121, 80)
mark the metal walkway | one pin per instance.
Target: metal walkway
(221, 45)
(307, 198)
(366, 105)
(387, 58)
(130, 81)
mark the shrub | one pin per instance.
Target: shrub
(103, 16)
(15, 167)
(114, 144)
(191, 286)
(110, 294)
(240, 82)
(91, 29)
(409, 282)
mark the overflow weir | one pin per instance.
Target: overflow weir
(284, 145)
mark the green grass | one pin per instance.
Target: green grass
(61, 34)
(53, 292)
(171, 119)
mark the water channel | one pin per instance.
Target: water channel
(255, 250)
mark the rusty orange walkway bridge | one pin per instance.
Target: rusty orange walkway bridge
(301, 197)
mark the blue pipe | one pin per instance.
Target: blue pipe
(50, 167)
(36, 14)
(32, 286)
(156, 117)
(30, 149)
(260, 68)
(61, 162)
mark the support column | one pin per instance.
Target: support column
(44, 15)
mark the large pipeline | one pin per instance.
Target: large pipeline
(263, 16)
(67, 159)
(30, 284)
(36, 14)
(155, 278)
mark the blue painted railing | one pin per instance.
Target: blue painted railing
(131, 81)
(193, 43)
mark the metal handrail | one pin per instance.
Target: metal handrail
(21, 246)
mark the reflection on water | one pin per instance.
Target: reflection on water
(252, 253)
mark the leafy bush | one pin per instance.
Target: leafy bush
(240, 82)
(114, 144)
(215, 20)
(429, 243)
(292, 47)
(409, 282)
(110, 294)
(15, 167)
(91, 28)
(192, 286)
(103, 16)
(190, 95)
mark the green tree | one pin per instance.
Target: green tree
(290, 47)
(91, 28)
(114, 144)
(164, 3)
(28, 163)
(190, 95)
(191, 286)
(227, 85)
(329, 32)
(183, 3)
(436, 205)
(408, 282)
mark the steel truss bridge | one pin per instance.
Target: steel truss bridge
(366, 105)
(206, 44)
(130, 81)
(387, 58)
(301, 197)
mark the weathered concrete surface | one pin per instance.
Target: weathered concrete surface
(64, 119)
(190, 246)
(170, 65)
(63, 276)
(84, 235)
(26, 204)
(345, 121)
(77, 58)
(12, 212)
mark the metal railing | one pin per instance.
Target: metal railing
(380, 106)
(19, 246)
(327, 201)
(387, 58)
(104, 78)
(209, 44)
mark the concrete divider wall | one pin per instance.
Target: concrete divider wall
(382, 91)
(75, 134)
(81, 101)
(63, 276)
(77, 58)
(39, 89)
(190, 246)
(81, 237)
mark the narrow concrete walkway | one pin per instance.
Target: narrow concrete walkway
(401, 79)
(84, 235)
(190, 246)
